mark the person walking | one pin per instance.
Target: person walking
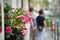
(32, 29)
(41, 26)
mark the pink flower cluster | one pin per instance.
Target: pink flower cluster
(25, 31)
(0, 29)
(24, 18)
(30, 17)
(8, 29)
(27, 18)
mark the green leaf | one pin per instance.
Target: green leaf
(8, 36)
(12, 34)
(7, 8)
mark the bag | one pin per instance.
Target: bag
(40, 28)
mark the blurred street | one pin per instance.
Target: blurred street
(51, 10)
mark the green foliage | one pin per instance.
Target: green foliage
(0, 8)
(13, 21)
(43, 3)
(0, 15)
(7, 8)
(0, 20)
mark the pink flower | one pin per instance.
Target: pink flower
(25, 31)
(30, 16)
(24, 18)
(21, 17)
(0, 29)
(8, 29)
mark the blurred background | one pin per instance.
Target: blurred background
(51, 9)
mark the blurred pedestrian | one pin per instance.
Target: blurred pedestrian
(41, 26)
(32, 29)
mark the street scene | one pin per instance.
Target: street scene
(22, 19)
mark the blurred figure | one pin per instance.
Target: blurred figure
(41, 26)
(32, 30)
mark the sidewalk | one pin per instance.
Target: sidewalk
(49, 37)
(0, 36)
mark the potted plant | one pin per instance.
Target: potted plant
(16, 26)
(15, 20)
